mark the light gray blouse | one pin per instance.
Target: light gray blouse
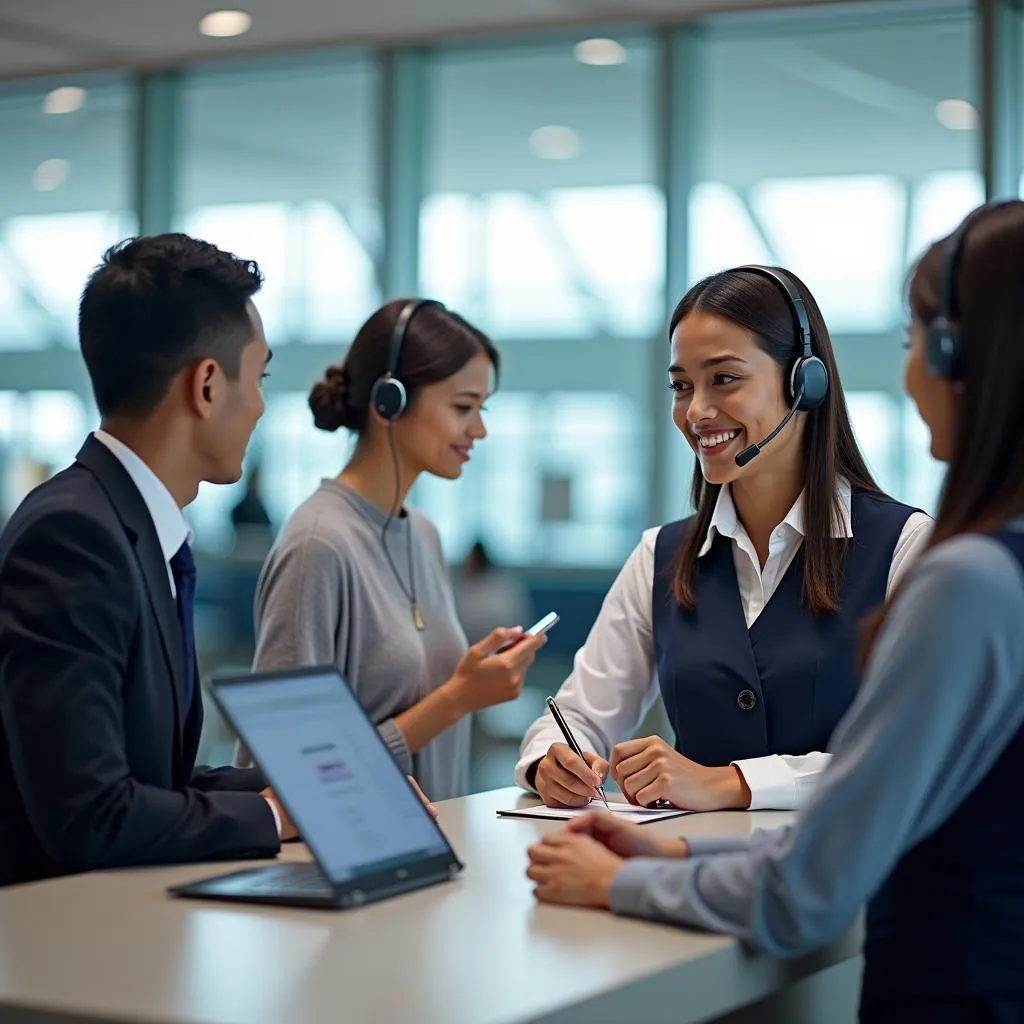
(943, 695)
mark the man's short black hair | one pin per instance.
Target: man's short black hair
(153, 306)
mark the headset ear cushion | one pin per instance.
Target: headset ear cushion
(942, 349)
(388, 397)
(812, 376)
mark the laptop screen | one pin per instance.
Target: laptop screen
(332, 771)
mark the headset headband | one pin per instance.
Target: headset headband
(952, 254)
(801, 325)
(409, 310)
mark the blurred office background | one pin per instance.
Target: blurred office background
(556, 173)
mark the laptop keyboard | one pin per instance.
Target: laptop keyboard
(297, 878)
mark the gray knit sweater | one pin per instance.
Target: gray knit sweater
(328, 595)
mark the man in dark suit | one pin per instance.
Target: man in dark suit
(100, 710)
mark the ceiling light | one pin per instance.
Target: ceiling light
(65, 100)
(223, 24)
(555, 142)
(600, 52)
(51, 174)
(957, 115)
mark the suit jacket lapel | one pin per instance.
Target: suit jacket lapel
(193, 728)
(154, 571)
(131, 509)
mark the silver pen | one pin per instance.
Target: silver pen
(571, 740)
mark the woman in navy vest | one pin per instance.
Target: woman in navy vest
(745, 615)
(918, 811)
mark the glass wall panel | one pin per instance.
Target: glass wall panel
(40, 432)
(65, 195)
(278, 164)
(838, 144)
(542, 223)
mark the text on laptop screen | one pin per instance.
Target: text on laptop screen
(346, 794)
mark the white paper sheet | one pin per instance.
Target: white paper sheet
(627, 812)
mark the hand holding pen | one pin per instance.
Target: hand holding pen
(566, 776)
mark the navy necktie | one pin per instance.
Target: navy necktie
(183, 568)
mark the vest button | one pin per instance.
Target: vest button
(746, 699)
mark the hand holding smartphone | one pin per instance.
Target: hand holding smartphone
(540, 626)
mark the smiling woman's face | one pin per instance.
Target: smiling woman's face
(728, 394)
(437, 433)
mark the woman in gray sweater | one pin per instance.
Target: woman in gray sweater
(358, 580)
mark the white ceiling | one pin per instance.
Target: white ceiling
(44, 36)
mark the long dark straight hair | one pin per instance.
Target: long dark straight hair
(756, 303)
(984, 484)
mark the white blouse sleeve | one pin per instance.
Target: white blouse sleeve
(785, 782)
(613, 682)
(916, 531)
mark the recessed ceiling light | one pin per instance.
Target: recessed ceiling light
(600, 52)
(555, 142)
(65, 100)
(957, 115)
(51, 174)
(224, 24)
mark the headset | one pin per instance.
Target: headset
(807, 382)
(388, 395)
(943, 341)
(807, 385)
(390, 398)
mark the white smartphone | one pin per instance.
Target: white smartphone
(540, 626)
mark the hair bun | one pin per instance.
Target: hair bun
(337, 377)
(329, 400)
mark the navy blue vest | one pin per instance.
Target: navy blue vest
(781, 686)
(950, 917)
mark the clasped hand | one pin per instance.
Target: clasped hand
(646, 770)
(577, 866)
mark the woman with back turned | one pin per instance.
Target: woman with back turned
(918, 811)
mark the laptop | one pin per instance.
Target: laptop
(368, 831)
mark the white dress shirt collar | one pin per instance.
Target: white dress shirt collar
(726, 522)
(172, 528)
